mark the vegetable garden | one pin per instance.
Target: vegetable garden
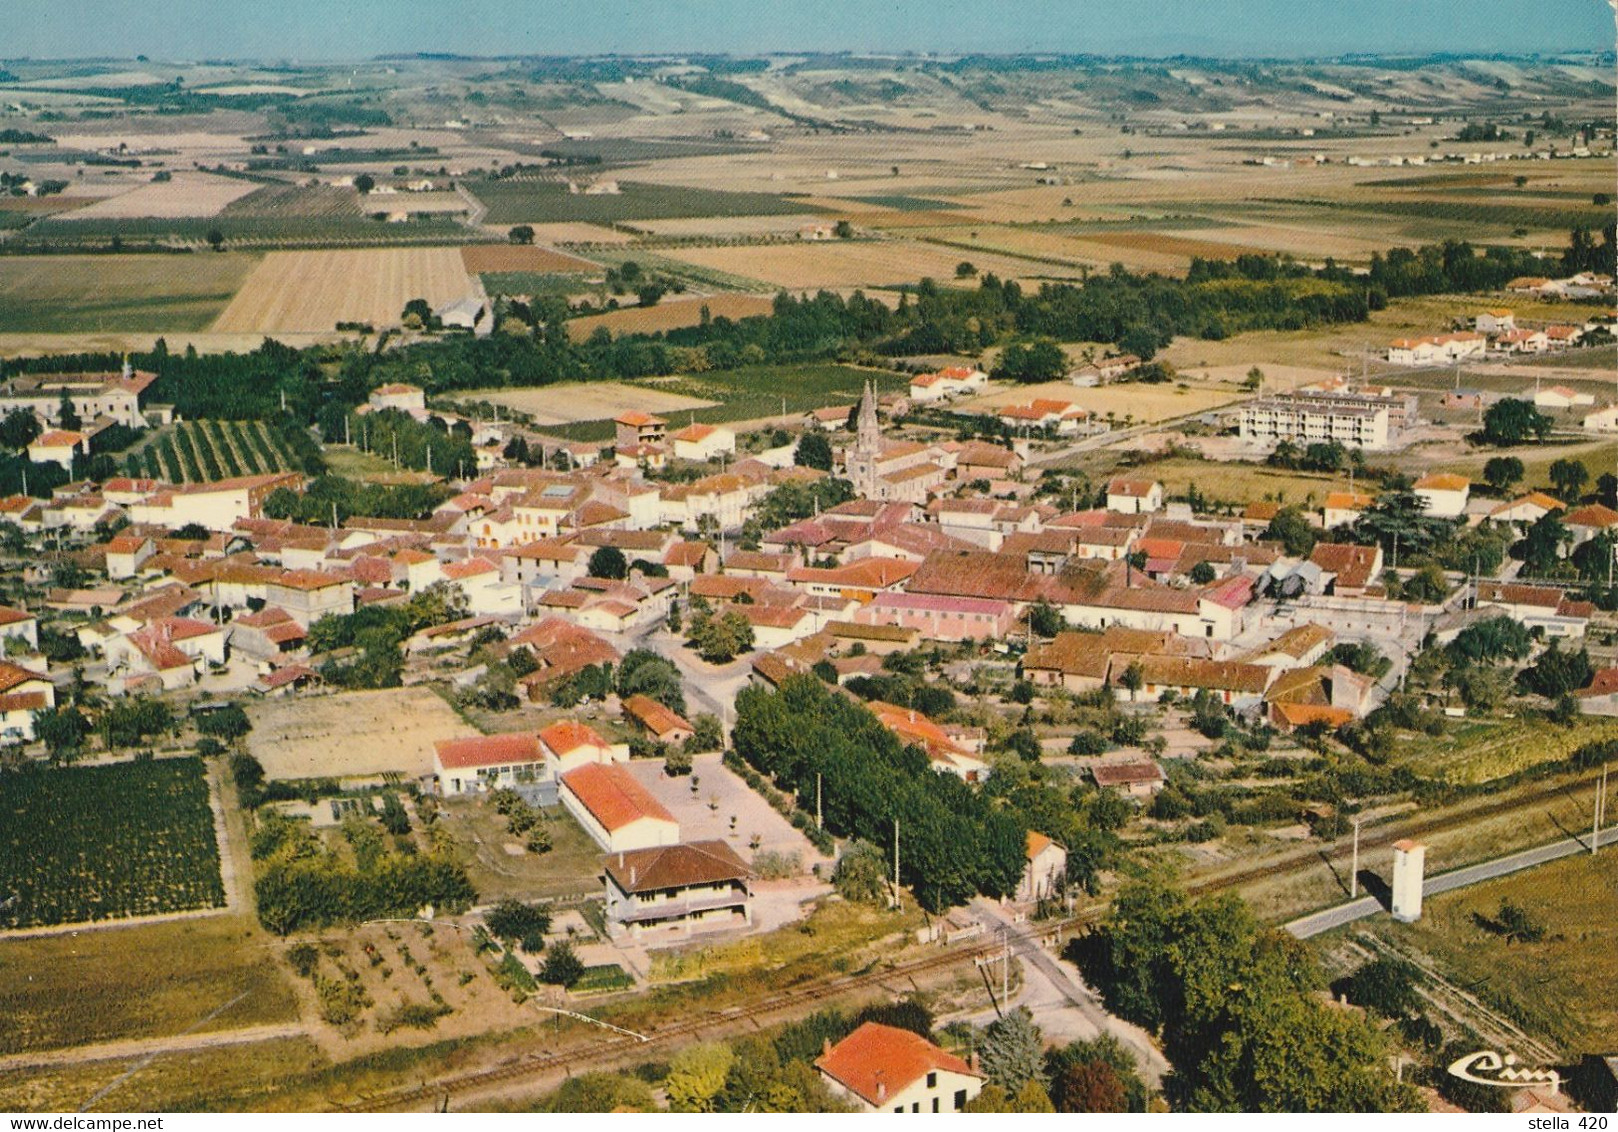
(105, 842)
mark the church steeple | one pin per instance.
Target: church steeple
(869, 433)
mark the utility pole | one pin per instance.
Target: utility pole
(1005, 964)
(1354, 869)
(895, 863)
(820, 818)
(1600, 809)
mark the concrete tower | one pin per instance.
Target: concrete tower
(1409, 867)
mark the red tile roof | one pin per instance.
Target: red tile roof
(613, 797)
(488, 750)
(567, 735)
(877, 1062)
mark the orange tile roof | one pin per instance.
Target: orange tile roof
(877, 1061)
(488, 750)
(568, 735)
(613, 797)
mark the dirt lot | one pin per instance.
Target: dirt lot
(352, 733)
(669, 314)
(315, 290)
(1143, 402)
(509, 257)
(856, 263)
(188, 194)
(585, 401)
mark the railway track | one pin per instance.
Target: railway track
(607, 1050)
(1385, 837)
(610, 1050)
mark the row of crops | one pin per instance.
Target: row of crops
(204, 451)
(105, 842)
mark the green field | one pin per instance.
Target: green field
(105, 842)
(754, 392)
(1481, 750)
(248, 231)
(902, 203)
(205, 451)
(1560, 988)
(1532, 216)
(546, 202)
(69, 294)
(531, 283)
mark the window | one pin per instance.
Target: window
(935, 1102)
(932, 1080)
(960, 1099)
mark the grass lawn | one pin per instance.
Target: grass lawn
(348, 461)
(232, 1078)
(142, 981)
(543, 202)
(1242, 483)
(571, 868)
(1561, 988)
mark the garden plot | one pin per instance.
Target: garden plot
(353, 734)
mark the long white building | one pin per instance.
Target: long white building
(1354, 420)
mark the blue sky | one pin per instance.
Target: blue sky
(358, 29)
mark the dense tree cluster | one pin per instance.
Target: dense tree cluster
(953, 842)
(1236, 1005)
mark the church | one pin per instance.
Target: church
(899, 471)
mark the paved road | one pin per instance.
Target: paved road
(1063, 978)
(1324, 921)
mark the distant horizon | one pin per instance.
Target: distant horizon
(315, 32)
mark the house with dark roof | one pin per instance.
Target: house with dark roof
(881, 1068)
(677, 890)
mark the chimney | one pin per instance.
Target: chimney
(881, 1088)
(825, 1047)
(620, 859)
(633, 871)
(972, 1061)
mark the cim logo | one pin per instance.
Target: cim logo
(1502, 1071)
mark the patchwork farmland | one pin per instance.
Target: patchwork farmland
(64, 294)
(313, 291)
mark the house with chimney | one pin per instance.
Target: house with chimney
(881, 1068)
(677, 890)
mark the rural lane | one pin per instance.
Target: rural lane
(1328, 918)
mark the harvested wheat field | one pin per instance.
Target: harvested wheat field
(352, 734)
(480, 258)
(187, 195)
(568, 232)
(313, 291)
(668, 315)
(586, 400)
(856, 263)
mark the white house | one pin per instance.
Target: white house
(616, 810)
(699, 885)
(703, 442)
(1134, 497)
(23, 694)
(1443, 495)
(1046, 870)
(1561, 397)
(1413, 352)
(488, 762)
(1602, 420)
(398, 395)
(1497, 321)
(59, 446)
(885, 1069)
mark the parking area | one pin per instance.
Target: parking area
(713, 802)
